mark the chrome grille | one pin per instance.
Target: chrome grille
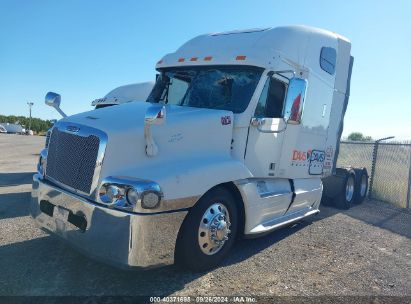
(72, 159)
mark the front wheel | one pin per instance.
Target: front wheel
(208, 232)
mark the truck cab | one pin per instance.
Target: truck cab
(234, 140)
(125, 93)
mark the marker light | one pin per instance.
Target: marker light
(150, 200)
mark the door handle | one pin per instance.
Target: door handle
(257, 122)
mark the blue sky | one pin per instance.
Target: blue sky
(83, 49)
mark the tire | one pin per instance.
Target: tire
(195, 236)
(326, 201)
(345, 198)
(361, 185)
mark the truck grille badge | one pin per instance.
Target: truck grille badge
(72, 129)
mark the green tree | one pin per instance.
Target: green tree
(37, 125)
(358, 136)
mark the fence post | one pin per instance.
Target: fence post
(409, 183)
(374, 163)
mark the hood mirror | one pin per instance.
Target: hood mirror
(53, 100)
(155, 115)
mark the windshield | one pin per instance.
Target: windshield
(223, 88)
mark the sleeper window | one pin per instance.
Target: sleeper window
(328, 59)
(271, 102)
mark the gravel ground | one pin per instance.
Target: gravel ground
(361, 252)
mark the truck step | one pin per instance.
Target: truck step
(284, 220)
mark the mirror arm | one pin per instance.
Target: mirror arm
(284, 72)
(61, 112)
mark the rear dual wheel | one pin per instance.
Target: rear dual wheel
(361, 185)
(348, 187)
(345, 197)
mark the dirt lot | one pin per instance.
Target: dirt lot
(363, 251)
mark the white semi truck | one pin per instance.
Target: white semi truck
(237, 138)
(126, 93)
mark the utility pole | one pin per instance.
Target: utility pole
(30, 104)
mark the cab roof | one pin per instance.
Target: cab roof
(253, 47)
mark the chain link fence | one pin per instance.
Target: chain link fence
(389, 167)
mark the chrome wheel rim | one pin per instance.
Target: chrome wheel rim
(349, 188)
(363, 188)
(214, 229)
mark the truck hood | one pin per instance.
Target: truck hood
(188, 135)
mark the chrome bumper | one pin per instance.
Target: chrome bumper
(116, 237)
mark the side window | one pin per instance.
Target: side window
(271, 102)
(176, 91)
(328, 59)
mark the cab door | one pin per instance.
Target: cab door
(267, 128)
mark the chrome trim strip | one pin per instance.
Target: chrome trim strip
(43, 156)
(84, 131)
(274, 194)
(180, 203)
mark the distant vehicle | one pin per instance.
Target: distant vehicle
(12, 128)
(3, 129)
(124, 94)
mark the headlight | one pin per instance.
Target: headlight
(133, 196)
(110, 194)
(130, 194)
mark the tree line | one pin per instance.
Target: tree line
(358, 136)
(37, 125)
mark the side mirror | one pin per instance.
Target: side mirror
(294, 103)
(155, 115)
(53, 100)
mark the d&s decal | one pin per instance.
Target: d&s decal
(226, 120)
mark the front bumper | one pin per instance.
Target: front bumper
(119, 238)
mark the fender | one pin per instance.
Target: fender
(188, 177)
